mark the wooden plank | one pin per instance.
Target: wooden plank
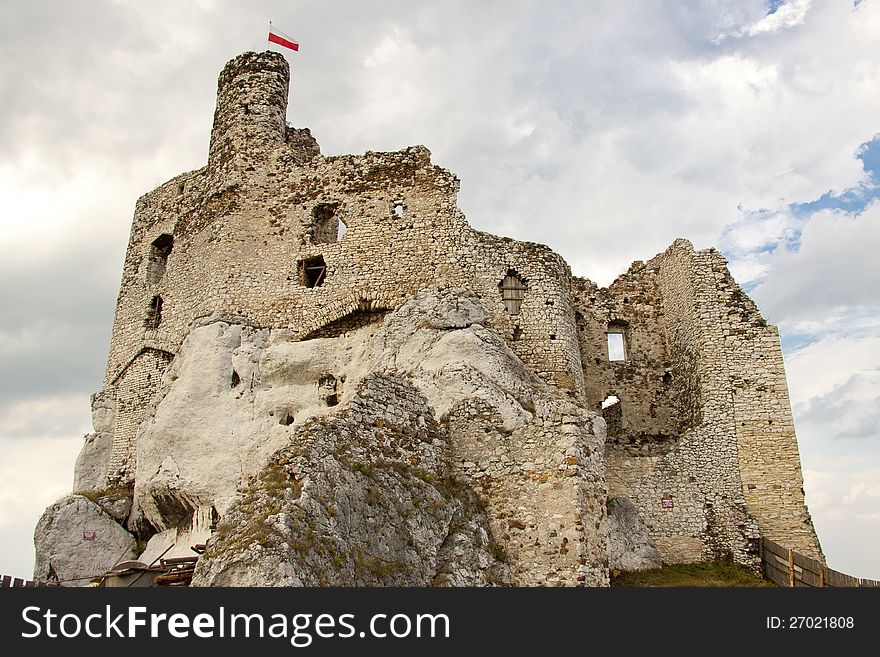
(783, 561)
(788, 568)
(807, 570)
(807, 563)
(807, 578)
(776, 575)
(776, 548)
(172, 561)
(838, 579)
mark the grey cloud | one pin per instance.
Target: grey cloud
(829, 272)
(843, 412)
(58, 315)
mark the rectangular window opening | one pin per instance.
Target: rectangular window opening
(616, 347)
(313, 271)
(513, 291)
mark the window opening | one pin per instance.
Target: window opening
(610, 400)
(313, 271)
(616, 345)
(612, 412)
(513, 291)
(154, 313)
(160, 249)
(325, 224)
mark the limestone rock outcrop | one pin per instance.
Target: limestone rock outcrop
(358, 457)
(360, 498)
(76, 540)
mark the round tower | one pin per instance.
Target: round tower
(249, 120)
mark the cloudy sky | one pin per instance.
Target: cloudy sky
(604, 129)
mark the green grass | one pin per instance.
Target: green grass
(724, 574)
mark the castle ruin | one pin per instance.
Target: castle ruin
(664, 392)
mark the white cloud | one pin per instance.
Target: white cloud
(863, 491)
(844, 510)
(789, 14)
(45, 418)
(33, 474)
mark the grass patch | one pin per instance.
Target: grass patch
(721, 574)
(115, 492)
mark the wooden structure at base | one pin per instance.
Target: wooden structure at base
(8, 581)
(788, 568)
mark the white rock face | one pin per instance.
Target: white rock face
(75, 541)
(90, 471)
(231, 397)
(630, 546)
(213, 430)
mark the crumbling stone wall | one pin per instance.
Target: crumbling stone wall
(135, 388)
(718, 366)
(543, 485)
(769, 462)
(647, 381)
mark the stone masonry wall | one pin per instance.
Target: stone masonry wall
(683, 473)
(135, 388)
(768, 453)
(729, 472)
(543, 486)
(648, 382)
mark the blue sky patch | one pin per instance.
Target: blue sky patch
(855, 199)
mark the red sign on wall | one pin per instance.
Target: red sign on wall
(666, 502)
(89, 536)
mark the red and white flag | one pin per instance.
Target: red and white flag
(279, 37)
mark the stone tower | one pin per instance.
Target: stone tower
(249, 120)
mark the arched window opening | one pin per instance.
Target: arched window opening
(154, 313)
(513, 291)
(157, 260)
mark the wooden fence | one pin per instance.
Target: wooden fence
(7, 581)
(791, 569)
